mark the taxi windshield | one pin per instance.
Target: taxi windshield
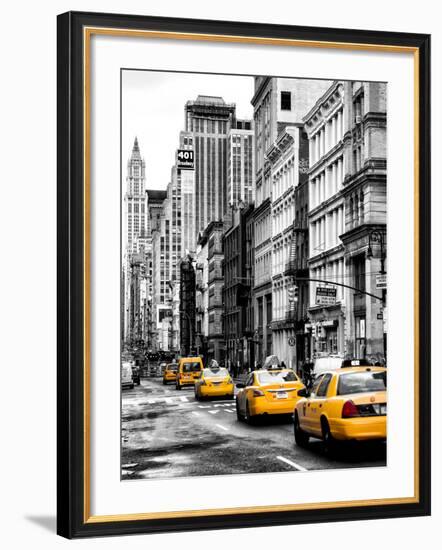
(362, 382)
(191, 367)
(277, 377)
(215, 373)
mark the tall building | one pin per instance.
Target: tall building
(288, 159)
(215, 337)
(326, 124)
(365, 233)
(237, 286)
(202, 295)
(135, 205)
(277, 103)
(209, 119)
(240, 164)
(155, 199)
(135, 230)
(161, 260)
(187, 304)
(186, 190)
(297, 266)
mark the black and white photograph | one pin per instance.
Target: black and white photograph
(253, 274)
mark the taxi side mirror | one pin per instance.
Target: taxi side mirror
(240, 385)
(303, 392)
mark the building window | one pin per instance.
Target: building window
(286, 101)
(359, 271)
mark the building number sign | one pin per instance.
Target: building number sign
(185, 159)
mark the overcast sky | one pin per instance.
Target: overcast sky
(153, 110)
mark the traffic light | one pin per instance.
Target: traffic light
(293, 292)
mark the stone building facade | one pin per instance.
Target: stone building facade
(365, 233)
(325, 125)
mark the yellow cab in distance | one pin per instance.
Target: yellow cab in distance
(189, 370)
(214, 382)
(345, 404)
(267, 391)
(170, 372)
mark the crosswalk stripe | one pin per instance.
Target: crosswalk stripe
(184, 398)
(291, 463)
(222, 427)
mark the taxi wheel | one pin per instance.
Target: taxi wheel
(239, 416)
(164, 382)
(301, 438)
(329, 442)
(248, 417)
(197, 397)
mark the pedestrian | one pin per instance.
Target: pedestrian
(283, 365)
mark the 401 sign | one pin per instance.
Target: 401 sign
(185, 159)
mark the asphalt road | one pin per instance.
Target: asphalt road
(167, 433)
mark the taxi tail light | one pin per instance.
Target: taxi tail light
(258, 393)
(349, 410)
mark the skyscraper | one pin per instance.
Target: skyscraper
(240, 164)
(136, 218)
(209, 119)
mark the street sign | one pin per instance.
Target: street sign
(292, 341)
(185, 159)
(325, 296)
(381, 281)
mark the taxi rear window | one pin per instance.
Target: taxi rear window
(191, 367)
(269, 377)
(208, 373)
(362, 382)
(172, 368)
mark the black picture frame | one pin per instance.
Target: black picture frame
(72, 518)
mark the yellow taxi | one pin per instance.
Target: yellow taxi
(267, 391)
(170, 372)
(189, 370)
(214, 382)
(346, 404)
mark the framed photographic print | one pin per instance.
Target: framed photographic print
(243, 256)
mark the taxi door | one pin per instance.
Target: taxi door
(305, 418)
(317, 404)
(242, 395)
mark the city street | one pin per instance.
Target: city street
(167, 433)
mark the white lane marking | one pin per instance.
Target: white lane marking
(222, 405)
(229, 410)
(151, 401)
(169, 400)
(204, 406)
(196, 413)
(222, 427)
(184, 398)
(291, 463)
(213, 412)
